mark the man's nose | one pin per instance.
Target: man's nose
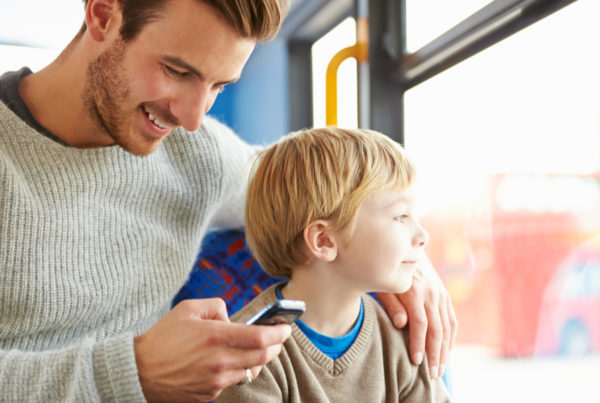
(191, 106)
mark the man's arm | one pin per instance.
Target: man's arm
(191, 354)
(427, 309)
(89, 371)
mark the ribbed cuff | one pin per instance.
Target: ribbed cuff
(115, 370)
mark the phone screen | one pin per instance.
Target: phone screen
(277, 312)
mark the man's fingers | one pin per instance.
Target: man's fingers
(255, 336)
(255, 358)
(453, 321)
(256, 371)
(446, 337)
(394, 308)
(434, 338)
(414, 305)
(248, 375)
(207, 308)
(417, 331)
(227, 366)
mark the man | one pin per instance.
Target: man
(95, 241)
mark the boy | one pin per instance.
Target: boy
(332, 210)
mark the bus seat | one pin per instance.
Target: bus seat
(225, 268)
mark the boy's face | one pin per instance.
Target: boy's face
(387, 244)
(168, 76)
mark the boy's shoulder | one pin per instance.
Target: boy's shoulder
(394, 339)
(414, 383)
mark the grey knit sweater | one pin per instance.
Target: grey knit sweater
(94, 243)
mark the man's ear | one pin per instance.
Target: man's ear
(319, 241)
(102, 16)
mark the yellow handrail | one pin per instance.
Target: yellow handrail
(359, 51)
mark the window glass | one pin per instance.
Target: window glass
(594, 278)
(34, 32)
(507, 145)
(428, 19)
(14, 57)
(343, 35)
(45, 24)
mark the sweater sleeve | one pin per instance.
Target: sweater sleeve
(237, 158)
(85, 372)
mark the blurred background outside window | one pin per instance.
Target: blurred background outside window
(507, 144)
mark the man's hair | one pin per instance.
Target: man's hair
(315, 174)
(253, 19)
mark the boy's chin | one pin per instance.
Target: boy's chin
(394, 287)
(402, 288)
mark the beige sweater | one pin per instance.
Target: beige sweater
(376, 368)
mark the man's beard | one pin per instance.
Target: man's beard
(105, 98)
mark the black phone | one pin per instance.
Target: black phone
(277, 312)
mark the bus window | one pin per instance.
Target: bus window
(14, 57)
(42, 15)
(507, 147)
(20, 45)
(423, 24)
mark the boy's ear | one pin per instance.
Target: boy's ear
(319, 241)
(102, 16)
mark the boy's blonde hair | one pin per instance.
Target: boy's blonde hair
(316, 174)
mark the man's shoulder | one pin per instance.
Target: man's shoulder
(211, 124)
(9, 91)
(12, 126)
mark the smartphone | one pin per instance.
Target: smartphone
(277, 312)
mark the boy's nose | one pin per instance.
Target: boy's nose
(421, 238)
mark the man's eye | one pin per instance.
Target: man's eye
(402, 217)
(176, 73)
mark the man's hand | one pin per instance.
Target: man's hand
(427, 309)
(194, 352)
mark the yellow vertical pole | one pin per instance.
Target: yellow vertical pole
(360, 51)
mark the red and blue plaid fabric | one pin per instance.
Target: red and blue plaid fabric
(225, 268)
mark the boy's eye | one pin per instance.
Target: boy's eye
(402, 217)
